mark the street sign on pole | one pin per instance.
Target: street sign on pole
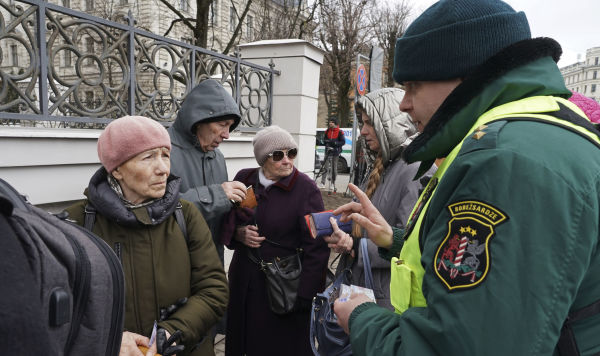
(376, 69)
(361, 80)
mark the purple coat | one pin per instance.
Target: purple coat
(252, 329)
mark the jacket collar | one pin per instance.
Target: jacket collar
(108, 203)
(526, 68)
(286, 183)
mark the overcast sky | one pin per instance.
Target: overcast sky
(575, 24)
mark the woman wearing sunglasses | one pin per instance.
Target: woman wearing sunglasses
(276, 227)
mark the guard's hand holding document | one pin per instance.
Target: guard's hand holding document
(347, 290)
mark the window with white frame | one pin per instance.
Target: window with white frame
(250, 27)
(14, 54)
(184, 5)
(89, 45)
(67, 55)
(214, 13)
(232, 19)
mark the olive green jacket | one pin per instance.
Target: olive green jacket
(159, 267)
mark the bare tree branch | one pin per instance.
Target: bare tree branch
(178, 13)
(389, 23)
(238, 27)
(173, 25)
(343, 32)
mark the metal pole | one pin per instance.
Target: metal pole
(132, 70)
(354, 123)
(41, 37)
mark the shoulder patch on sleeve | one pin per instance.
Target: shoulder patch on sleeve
(462, 259)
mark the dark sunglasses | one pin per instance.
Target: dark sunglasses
(279, 154)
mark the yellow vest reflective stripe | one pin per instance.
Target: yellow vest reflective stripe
(407, 272)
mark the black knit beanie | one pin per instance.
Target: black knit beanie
(452, 37)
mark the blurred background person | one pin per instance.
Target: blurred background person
(136, 200)
(334, 140)
(388, 183)
(275, 228)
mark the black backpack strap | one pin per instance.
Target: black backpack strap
(181, 222)
(567, 345)
(90, 216)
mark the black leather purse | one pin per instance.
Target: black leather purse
(282, 279)
(327, 337)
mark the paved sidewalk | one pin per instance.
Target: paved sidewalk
(341, 183)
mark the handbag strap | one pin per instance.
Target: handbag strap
(366, 263)
(283, 246)
(260, 261)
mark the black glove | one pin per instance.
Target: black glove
(302, 304)
(165, 346)
(166, 312)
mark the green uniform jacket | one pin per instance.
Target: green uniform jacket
(539, 264)
(159, 267)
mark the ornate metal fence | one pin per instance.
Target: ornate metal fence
(60, 67)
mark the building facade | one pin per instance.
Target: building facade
(584, 77)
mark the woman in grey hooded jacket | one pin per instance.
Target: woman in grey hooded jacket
(389, 182)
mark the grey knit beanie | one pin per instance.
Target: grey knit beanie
(452, 37)
(270, 139)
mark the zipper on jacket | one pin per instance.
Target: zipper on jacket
(117, 249)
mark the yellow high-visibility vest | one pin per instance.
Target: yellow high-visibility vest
(407, 271)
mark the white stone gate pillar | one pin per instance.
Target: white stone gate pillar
(295, 91)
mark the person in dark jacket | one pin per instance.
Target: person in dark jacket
(500, 255)
(334, 140)
(273, 229)
(171, 276)
(206, 118)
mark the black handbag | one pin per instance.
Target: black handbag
(326, 336)
(282, 279)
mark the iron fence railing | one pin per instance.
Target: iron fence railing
(61, 67)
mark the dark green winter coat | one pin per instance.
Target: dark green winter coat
(540, 263)
(159, 267)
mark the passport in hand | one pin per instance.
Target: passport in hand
(319, 225)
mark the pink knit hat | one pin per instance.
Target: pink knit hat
(128, 136)
(588, 105)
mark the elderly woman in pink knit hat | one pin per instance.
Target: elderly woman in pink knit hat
(175, 287)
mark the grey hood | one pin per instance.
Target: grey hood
(206, 102)
(394, 128)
